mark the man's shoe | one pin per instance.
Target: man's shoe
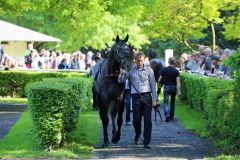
(136, 142)
(147, 146)
(167, 119)
(171, 119)
(136, 139)
(128, 123)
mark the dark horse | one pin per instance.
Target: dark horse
(157, 66)
(108, 91)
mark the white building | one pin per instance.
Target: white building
(15, 38)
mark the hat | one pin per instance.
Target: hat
(214, 57)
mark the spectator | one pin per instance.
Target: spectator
(74, 61)
(202, 51)
(88, 60)
(35, 59)
(1, 54)
(28, 60)
(184, 59)
(223, 69)
(194, 63)
(171, 78)
(63, 64)
(207, 61)
(214, 63)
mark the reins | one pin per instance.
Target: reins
(155, 107)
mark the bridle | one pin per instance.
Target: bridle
(117, 57)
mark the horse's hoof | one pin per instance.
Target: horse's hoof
(114, 141)
(104, 145)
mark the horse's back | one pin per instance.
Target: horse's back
(157, 65)
(107, 85)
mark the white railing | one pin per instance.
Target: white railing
(51, 70)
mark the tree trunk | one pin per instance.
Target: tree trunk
(182, 40)
(213, 37)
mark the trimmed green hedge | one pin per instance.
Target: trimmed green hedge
(55, 105)
(195, 89)
(13, 82)
(84, 89)
(219, 100)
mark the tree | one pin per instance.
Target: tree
(232, 22)
(183, 20)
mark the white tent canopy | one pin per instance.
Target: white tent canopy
(11, 32)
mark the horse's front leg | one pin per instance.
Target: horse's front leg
(113, 116)
(119, 120)
(103, 111)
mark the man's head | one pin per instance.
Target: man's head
(208, 51)
(97, 59)
(171, 61)
(214, 59)
(201, 48)
(140, 59)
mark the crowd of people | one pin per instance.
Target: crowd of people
(207, 62)
(46, 59)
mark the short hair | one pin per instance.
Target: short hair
(208, 49)
(171, 61)
(139, 54)
(201, 47)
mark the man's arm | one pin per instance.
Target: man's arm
(153, 85)
(123, 76)
(179, 86)
(159, 81)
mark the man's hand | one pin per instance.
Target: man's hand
(179, 93)
(155, 103)
(123, 73)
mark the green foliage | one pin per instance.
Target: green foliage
(192, 119)
(10, 5)
(232, 22)
(48, 103)
(233, 61)
(195, 89)
(219, 101)
(93, 23)
(221, 118)
(83, 87)
(224, 157)
(13, 100)
(13, 82)
(55, 107)
(20, 142)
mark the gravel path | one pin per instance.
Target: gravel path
(9, 115)
(169, 141)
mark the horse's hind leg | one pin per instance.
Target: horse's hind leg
(113, 117)
(119, 120)
(103, 111)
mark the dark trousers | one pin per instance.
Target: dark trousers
(169, 91)
(142, 108)
(95, 105)
(127, 97)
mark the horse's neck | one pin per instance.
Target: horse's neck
(112, 65)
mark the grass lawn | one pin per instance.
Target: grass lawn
(191, 119)
(20, 141)
(13, 100)
(223, 157)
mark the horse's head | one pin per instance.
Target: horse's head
(122, 53)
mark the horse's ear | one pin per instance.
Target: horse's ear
(107, 45)
(117, 38)
(126, 39)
